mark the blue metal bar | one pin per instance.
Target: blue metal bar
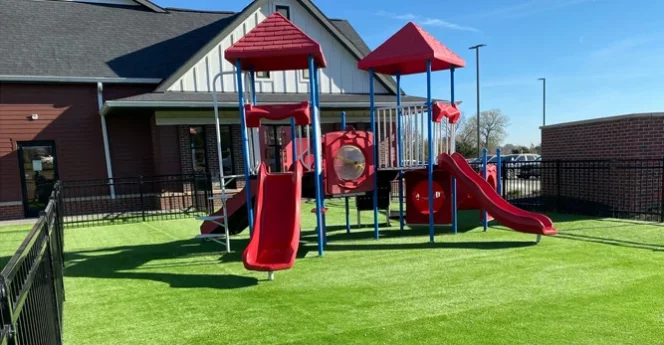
(372, 115)
(317, 154)
(321, 184)
(499, 172)
(399, 151)
(343, 128)
(454, 182)
(245, 145)
(430, 151)
(485, 222)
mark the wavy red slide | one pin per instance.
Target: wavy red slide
(504, 212)
(276, 234)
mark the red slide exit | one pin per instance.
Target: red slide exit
(276, 234)
(504, 212)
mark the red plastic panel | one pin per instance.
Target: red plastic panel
(407, 52)
(299, 111)
(275, 44)
(332, 142)
(417, 201)
(450, 111)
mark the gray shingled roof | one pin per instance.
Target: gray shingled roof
(70, 39)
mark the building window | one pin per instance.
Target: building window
(263, 75)
(197, 141)
(305, 74)
(284, 10)
(226, 149)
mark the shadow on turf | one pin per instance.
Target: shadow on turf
(572, 234)
(118, 262)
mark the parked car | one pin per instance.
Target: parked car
(531, 169)
(515, 162)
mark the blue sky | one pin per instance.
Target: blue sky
(600, 57)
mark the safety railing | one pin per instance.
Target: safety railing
(31, 284)
(411, 138)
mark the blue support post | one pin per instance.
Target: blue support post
(454, 182)
(245, 145)
(322, 185)
(399, 151)
(499, 172)
(372, 116)
(343, 128)
(430, 151)
(316, 153)
(485, 221)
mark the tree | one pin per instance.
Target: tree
(493, 130)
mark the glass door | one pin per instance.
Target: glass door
(39, 171)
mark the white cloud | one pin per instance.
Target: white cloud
(427, 21)
(529, 8)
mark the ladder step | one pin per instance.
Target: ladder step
(209, 218)
(206, 236)
(221, 197)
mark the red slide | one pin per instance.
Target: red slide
(238, 219)
(276, 234)
(504, 212)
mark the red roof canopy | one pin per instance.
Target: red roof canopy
(275, 44)
(407, 52)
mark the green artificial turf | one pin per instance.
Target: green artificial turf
(11, 238)
(599, 282)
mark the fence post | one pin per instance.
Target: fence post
(558, 186)
(661, 195)
(503, 176)
(140, 191)
(195, 194)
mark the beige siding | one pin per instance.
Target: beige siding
(340, 76)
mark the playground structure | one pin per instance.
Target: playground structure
(413, 143)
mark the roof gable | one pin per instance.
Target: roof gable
(246, 14)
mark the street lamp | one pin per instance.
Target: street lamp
(543, 100)
(477, 62)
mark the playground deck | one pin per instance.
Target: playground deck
(151, 283)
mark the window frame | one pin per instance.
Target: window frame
(193, 147)
(283, 7)
(257, 76)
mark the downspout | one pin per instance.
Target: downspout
(104, 134)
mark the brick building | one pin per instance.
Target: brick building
(619, 163)
(122, 88)
(633, 136)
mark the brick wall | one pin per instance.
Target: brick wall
(626, 186)
(637, 136)
(11, 211)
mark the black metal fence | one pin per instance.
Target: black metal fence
(629, 189)
(31, 284)
(99, 202)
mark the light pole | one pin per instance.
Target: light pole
(477, 62)
(543, 100)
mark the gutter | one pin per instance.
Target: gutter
(58, 79)
(104, 134)
(208, 104)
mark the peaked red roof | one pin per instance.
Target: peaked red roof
(275, 44)
(407, 52)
